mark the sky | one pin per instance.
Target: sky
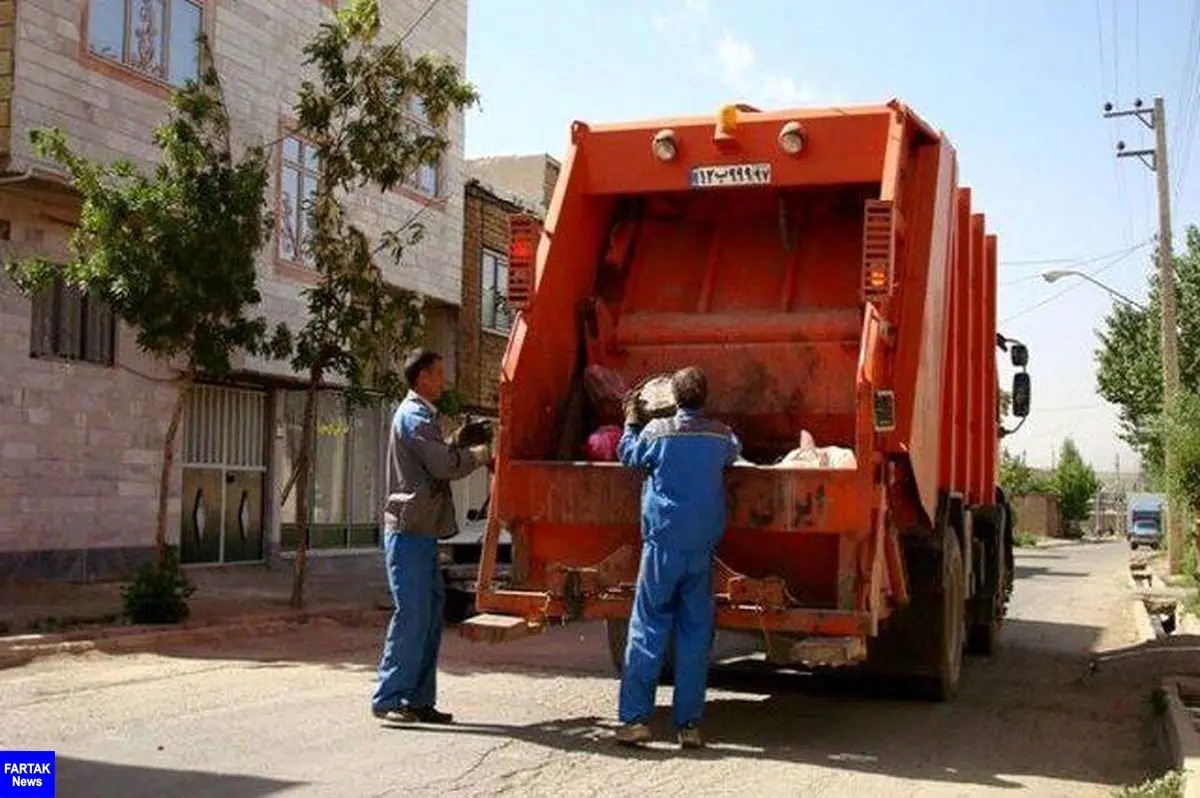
(1018, 87)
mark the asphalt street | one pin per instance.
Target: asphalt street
(288, 715)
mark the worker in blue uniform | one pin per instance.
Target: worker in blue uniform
(683, 459)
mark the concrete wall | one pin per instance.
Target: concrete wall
(81, 443)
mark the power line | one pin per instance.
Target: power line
(1118, 175)
(1189, 97)
(1071, 287)
(1077, 261)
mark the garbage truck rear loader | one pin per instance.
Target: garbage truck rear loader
(827, 272)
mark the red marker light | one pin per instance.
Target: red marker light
(522, 249)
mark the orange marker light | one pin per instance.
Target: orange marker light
(727, 120)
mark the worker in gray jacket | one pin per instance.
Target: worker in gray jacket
(419, 511)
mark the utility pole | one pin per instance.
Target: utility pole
(1156, 161)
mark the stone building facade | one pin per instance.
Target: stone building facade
(82, 413)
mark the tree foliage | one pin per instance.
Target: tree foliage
(1183, 429)
(171, 253)
(357, 116)
(1075, 483)
(1129, 356)
(1019, 479)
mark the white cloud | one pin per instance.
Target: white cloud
(736, 63)
(779, 90)
(736, 58)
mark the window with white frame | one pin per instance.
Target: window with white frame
(426, 179)
(157, 38)
(495, 312)
(297, 187)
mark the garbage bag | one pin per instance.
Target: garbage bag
(809, 455)
(601, 446)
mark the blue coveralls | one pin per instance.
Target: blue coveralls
(419, 511)
(683, 519)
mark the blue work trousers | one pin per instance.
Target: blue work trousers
(674, 592)
(408, 667)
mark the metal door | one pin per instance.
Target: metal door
(224, 475)
(243, 516)
(200, 538)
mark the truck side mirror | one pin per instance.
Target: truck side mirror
(1020, 355)
(1021, 389)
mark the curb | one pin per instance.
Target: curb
(23, 649)
(1141, 622)
(1182, 736)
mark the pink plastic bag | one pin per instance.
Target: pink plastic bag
(602, 444)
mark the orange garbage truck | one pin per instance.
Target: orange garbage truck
(828, 273)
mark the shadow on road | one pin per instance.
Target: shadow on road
(105, 780)
(1031, 571)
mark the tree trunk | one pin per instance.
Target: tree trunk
(308, 436)
(168, 462)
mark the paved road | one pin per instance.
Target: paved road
(288, 716)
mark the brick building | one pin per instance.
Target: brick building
(82, 414)
(495, 188)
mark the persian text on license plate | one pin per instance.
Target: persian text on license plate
(745, 174)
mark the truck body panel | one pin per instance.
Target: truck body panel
(847, 289)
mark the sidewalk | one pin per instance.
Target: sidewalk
(223, 596)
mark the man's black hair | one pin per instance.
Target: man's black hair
(416, 364)
(690, 388)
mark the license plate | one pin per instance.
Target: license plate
(743, 174)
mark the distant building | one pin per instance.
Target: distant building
(495, 189)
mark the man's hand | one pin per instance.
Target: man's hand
(482, 455)
(632, 408)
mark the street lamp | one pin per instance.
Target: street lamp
(1058, 274)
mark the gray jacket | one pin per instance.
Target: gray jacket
(420, 467)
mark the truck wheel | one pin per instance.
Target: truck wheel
(987, 608)
(617, 630)
(951, 628)
(920, 650)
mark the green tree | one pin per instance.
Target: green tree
(1129, 357)
(1018, 478)
(357, 115)
(1075, 483)
(172, 253)
(1183, 429)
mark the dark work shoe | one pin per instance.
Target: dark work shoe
(398, 715)
(431, 715)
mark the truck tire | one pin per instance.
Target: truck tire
(988, 605)
(950, 630)
(617, 630)
(919, 652)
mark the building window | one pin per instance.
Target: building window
(70, 325)
(346, 480)
(495, 312)
(156, 38)
(426, 180)
(297, 188)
